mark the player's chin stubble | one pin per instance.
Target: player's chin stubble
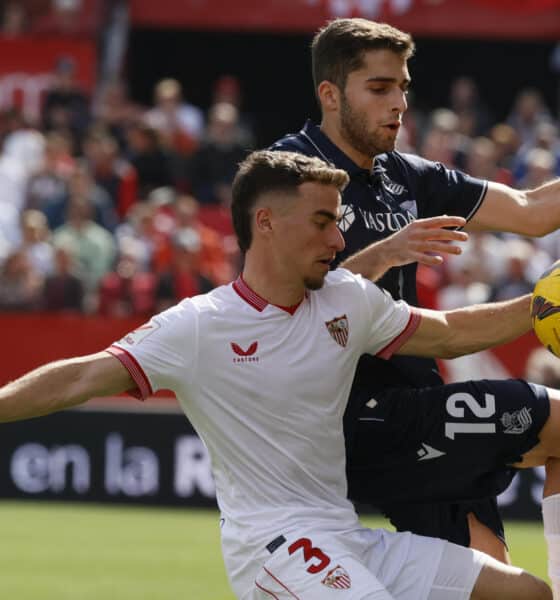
(354, 129)
(314, 283)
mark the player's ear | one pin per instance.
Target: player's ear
(329, 96)
(263, 220)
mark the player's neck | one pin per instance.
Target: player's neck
(271, 283)
(332, 131)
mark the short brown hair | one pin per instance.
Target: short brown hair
(266, 171)
(338, 48)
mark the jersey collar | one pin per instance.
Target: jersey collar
(256, 301)
(332, 153)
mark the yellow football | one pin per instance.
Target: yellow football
(545, 309)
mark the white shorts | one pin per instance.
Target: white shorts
(371, 565)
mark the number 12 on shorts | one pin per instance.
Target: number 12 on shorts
(455, 408)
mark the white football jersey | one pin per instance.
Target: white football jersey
(266, 388)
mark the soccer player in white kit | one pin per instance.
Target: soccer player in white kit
(263, 368)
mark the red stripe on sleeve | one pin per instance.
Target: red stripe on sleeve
(143, 389)
(411, 327)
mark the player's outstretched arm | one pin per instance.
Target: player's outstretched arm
(423, 241)
(532, 213)
(448, 334)
(63, 384)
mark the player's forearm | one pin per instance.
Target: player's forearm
(533, 212)
(483, 326)
(543, 204)
(372, 262)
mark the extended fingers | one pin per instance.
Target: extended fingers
(442, 221)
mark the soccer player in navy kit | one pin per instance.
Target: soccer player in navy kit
(438, 454)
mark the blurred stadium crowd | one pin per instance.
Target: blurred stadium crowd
(112, 208)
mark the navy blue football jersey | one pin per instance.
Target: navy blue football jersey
(399, 189)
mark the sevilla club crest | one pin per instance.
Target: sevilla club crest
(338, 328)
(337, 579)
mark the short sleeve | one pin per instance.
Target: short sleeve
(161, 354)
(439, 190)
(389, 323)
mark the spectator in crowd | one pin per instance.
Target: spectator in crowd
(482, 161)
(179, 123)
(214, 164)
(47, 189)
(523, 266)
(114, 111)
(81, 183)
(464, 100)
(227, 89)
(152, 245)
(111, 170)
(184, 279)
(464, 286)
(528, 112)
(35, 243)
(20, 284)
(484, 251)
(546, 138)
(22, 151)
(63, 289)
(66, 106)
(506, 140)
(91, 246)
(540, 167)
(442, 141)
(128, 291)
(154, 165)
(217, 254)
(15, 20)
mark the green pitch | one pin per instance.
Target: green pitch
(80, 552)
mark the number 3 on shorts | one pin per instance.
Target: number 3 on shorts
(309, 552)
(454, 409)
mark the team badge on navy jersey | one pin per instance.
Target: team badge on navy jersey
(338, 579)
(338, 328)
(518, 421)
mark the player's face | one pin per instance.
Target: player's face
(308, 234)
(373, 102)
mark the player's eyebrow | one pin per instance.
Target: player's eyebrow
(379, 79)
(327, 214)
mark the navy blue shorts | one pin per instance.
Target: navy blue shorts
(427, 457)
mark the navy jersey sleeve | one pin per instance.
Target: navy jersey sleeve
(437, 189)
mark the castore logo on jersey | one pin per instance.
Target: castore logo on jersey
(245, 355)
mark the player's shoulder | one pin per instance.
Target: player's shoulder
(342, 279)
(341, 276)
(405, 161)
(218, 299)
(351, 293)
(294, 142)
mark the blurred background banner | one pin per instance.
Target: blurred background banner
(465, 18)
(107, 455)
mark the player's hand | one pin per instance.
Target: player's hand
(425, 241)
